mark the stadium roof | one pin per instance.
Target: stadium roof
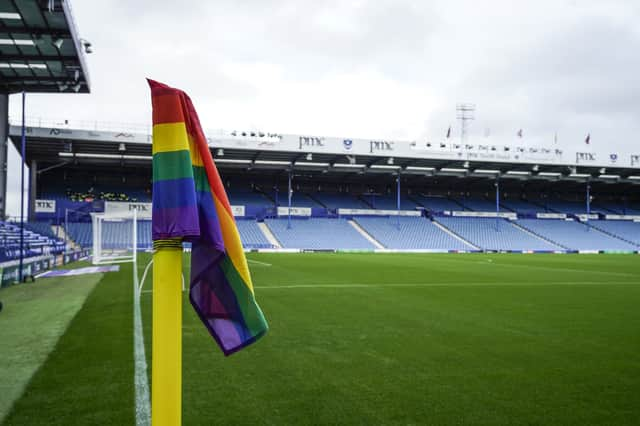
(101, 151)
(40, 50)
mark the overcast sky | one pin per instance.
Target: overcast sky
(380, 68)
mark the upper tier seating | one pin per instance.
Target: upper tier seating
(437, 203)
(619, 208)
(241, 197)
(572, 207)
(477, 204)
(522, 206)
(340, 200)
(298, 199)
(318, 233)
(574, 235)
(414, 233)
(389, 202)
(495, 234)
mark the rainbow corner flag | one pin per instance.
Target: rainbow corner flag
(190, 203)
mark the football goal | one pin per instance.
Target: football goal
(115, 238)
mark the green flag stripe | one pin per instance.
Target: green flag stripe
(200, 177)
(172, 165)
(253, 317)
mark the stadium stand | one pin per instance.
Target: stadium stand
(477, 204)
(298, 200)
(437, 204)
(42, 228)
(574, 235)
(618, 208)
(251, 235)
(623, 229)
(389, 202)
(248, 198)
(572, 207)
(339, 200)
(522, 206)
(114, 235)
(492, 234)
(318, 234)
(80, 233)
(35, 244)
(415, 233)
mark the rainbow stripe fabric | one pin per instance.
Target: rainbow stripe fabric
(190, 203)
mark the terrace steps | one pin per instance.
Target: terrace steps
(62, 234)
(533, 234)
(611, 234)
(269, 235)
(454, 235)
(365, 234)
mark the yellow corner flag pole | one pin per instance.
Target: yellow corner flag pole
(166, 390)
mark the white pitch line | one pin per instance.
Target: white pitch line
(259, 263)
(465, 284)
(143, 405)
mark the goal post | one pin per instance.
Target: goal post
(115, 238)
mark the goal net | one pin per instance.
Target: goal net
(115, 238)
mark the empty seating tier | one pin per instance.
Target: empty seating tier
(437, 204)
(415, 233)
(623, 229)
(574, 235)
(318, 234)
(495, 234)
(251, 235)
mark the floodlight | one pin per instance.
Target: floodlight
(58, 42)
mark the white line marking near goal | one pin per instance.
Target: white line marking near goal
(459, 284)
(259, 263)
(143, 406)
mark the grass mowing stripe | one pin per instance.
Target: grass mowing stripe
(87, 378)
(34, 317)
(447, 284)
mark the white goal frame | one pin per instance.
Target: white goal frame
(108, 257)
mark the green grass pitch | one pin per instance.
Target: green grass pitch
(376, 339)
